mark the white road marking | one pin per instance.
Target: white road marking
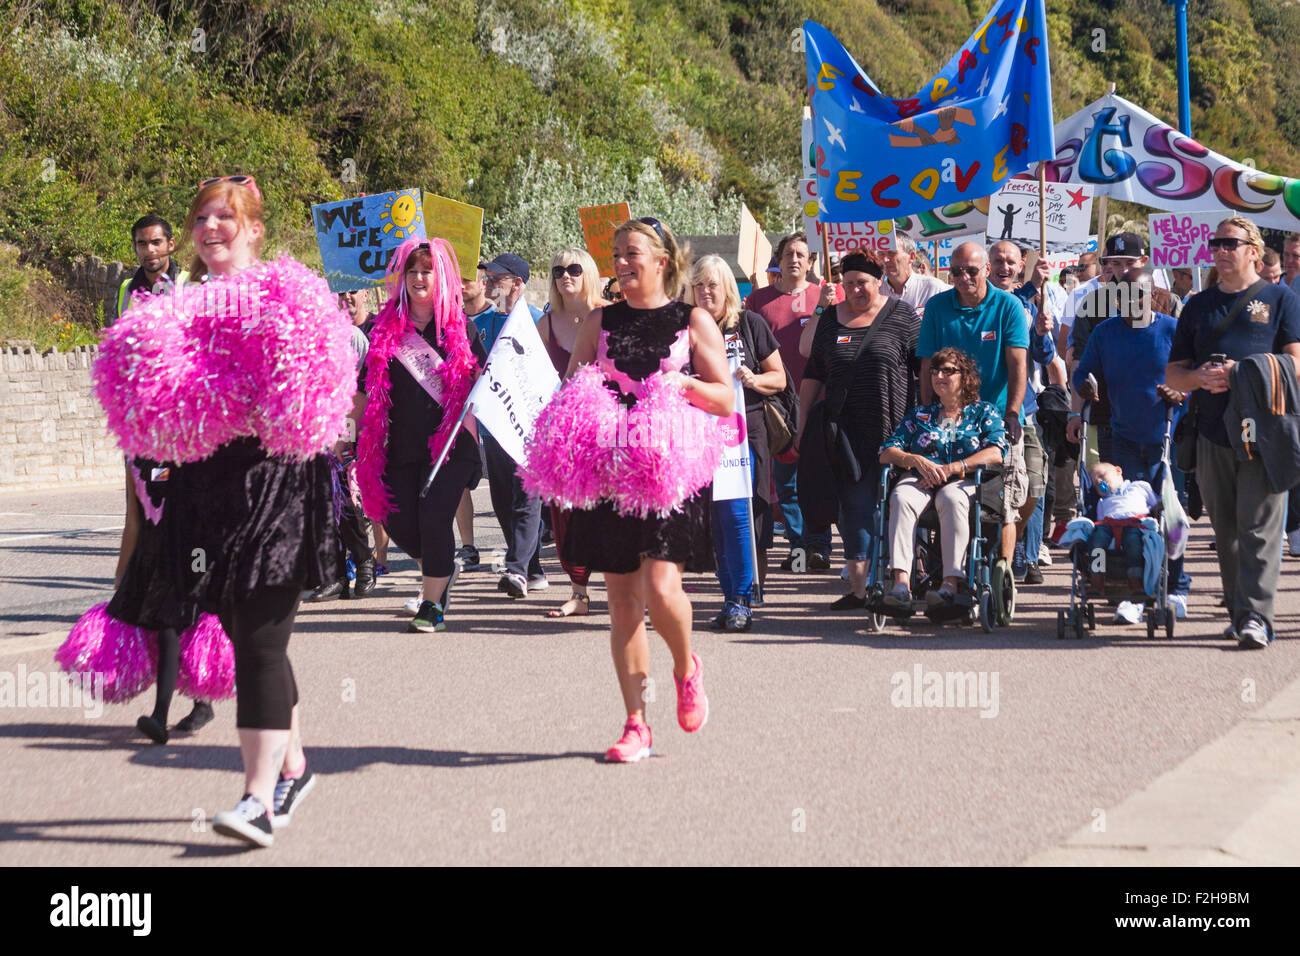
(60, 534)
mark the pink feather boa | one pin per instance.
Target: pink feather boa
(457, 370)
(265, 353)
(587, 447)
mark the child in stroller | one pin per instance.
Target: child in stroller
(1121, 506)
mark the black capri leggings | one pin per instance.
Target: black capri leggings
(259, 628)
(422, 527)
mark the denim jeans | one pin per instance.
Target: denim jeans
(1142, 463)
(787, 493)
(731, 535)
(858, 515)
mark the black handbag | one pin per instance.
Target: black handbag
(1185, 433)
(780, 411)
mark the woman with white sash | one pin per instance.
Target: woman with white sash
(417, 377)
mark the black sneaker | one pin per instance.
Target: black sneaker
(819, 561)
(467, 557)
(717, 622)
(739, 617)
(288, 794)
(329, 592)
(199, 717)
(850, 602)
(1033, 575)
(249, 821)
(152, 729)
(428, 619)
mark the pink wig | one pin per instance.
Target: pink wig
(457, 371)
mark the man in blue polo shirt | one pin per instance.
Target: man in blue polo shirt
(1130, 352)
(989, 325)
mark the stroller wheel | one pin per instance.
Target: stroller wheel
(1170, 617)
(1151, 615)
(1060, 625)
(1092, 617)
(1079, 630)
(1004, 592)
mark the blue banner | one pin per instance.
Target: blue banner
(357, 237)
(984, 117)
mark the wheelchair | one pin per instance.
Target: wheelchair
(990, 593)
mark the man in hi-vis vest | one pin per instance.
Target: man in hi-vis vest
(152, 238)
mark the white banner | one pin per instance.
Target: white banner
(1014, 214)
(733, 477)
(516, 384)
(1125, 152)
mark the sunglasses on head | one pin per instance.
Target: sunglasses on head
(1230, 243)
(573, 268)
(656, 226)
(248, 181)
(971, 272)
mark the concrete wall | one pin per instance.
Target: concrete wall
(52, 431)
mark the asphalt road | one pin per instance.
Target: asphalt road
(481, 744)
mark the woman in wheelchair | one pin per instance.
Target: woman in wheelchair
(940, 445)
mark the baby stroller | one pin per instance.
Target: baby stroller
(1081, 615)
(990, 592)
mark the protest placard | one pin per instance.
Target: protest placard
(1180, 239)
(598, 225)
(1014, 215)
(843, 237)
(460, 224)
(357, 236)
(755, 251)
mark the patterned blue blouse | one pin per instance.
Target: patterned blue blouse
(922, 432)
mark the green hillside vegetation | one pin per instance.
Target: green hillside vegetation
(529, 108)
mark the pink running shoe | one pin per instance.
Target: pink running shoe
(633, 745)
(692, 704)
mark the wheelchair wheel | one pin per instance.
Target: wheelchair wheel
(1151, 615)
(1004, 592)
(876, 621)
(986, 610)
(1092, 617)
(1170, 617)
(1080, 629)
(1060, 625)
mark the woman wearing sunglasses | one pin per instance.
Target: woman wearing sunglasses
(574, 295)
(940, 445)
(651, 333)
(245, 380)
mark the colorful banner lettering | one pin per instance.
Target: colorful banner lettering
(1014, 215)
(357, 236)
(985, 116)
(1181, 240)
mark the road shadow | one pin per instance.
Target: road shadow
(38, 831)
(72, 738)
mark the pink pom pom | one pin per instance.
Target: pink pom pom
(99, 647)
(207, 661)
(671, 452)
(265, 353)
(569, 458)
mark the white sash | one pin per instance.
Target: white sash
(421, 359)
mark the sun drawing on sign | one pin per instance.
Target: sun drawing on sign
(401, 216)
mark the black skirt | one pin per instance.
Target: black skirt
(243, 521)
(603, 540)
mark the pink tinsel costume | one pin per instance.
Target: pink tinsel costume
(457, 371)
(245, 380)
(627, 451)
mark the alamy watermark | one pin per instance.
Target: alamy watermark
(41, 689)
(951, 689)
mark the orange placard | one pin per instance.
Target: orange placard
(598, 225)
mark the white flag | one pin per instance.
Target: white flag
(733, 477)
(516, 384)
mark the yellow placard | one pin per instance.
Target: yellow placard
(460, 224)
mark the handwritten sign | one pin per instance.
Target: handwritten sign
(843, 237)
(598, 225)
(460, 224)
(1014, 214)
(1181, 240)
(754, 251)
(357, 236)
